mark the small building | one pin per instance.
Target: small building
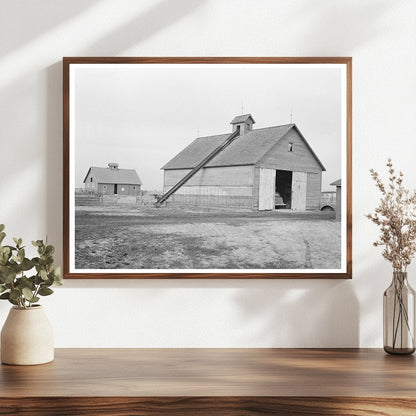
(338, 199)
(112, 181)
(261, 169)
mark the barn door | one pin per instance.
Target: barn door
(267, 187)
(299, 191)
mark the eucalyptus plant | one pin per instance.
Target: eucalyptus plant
(24, 280)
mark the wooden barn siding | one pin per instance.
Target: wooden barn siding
(128, 189)
(216, 176)
(338, 204)
(213, 190)
(220, 196)
(222, 201)
(88, 183)
(229, 186)
(300, 160)
(313, 190)
(256, 187)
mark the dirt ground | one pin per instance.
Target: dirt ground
(166, 238)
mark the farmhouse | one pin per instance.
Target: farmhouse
(261, 169)
(112, 181)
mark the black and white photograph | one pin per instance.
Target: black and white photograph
(215, 168)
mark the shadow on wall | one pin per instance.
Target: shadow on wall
(153, 20)
(336, 18)
(44, 16)
(158, 17)
(301, 313)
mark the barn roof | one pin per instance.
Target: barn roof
(119, 176)
(247, 149)
(336, 183)
(242, 119)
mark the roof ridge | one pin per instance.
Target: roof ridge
(102, 167)
(272, 127)
(262, 128)
(212, 135)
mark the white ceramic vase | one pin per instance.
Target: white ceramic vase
(27, 337)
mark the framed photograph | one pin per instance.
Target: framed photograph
(207, 168)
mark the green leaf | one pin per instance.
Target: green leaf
(4, 255)
(5, 295)
(9, 277)
(37, 280)
(48, 260)
(5, 250)
(24, 282)
(27, 293)
(21, 255)
(15, 294)
(26, 264)
(45, 291)
(49, 250)
(43, 274)
(2, 236)
(2, 227)
(37, 243)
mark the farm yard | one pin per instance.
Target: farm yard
(191, 238)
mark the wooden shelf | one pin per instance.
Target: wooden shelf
(212, 382)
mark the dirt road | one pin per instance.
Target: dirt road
(191, 239)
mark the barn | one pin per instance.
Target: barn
(261, 169)
(112, 181)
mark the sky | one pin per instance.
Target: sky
(142, 115)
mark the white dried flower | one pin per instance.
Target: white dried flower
(396, 217)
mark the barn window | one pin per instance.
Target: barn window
(134, 187)
(91, 179)
(290, 147)
(104, 186)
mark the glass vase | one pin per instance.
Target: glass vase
(399, 316)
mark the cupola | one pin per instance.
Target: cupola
(113, 166)
(243, 123)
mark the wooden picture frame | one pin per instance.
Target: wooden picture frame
(89, 88)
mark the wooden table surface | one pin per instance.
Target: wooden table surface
(212, 381)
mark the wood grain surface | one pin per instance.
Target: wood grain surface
(212, 381)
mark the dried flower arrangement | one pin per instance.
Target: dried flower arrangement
(396, 217)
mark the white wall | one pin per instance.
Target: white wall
(380, 35)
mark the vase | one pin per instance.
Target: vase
(27, 337)
(399, 316)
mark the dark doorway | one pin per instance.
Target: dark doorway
(283, 189)
(115, 189)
